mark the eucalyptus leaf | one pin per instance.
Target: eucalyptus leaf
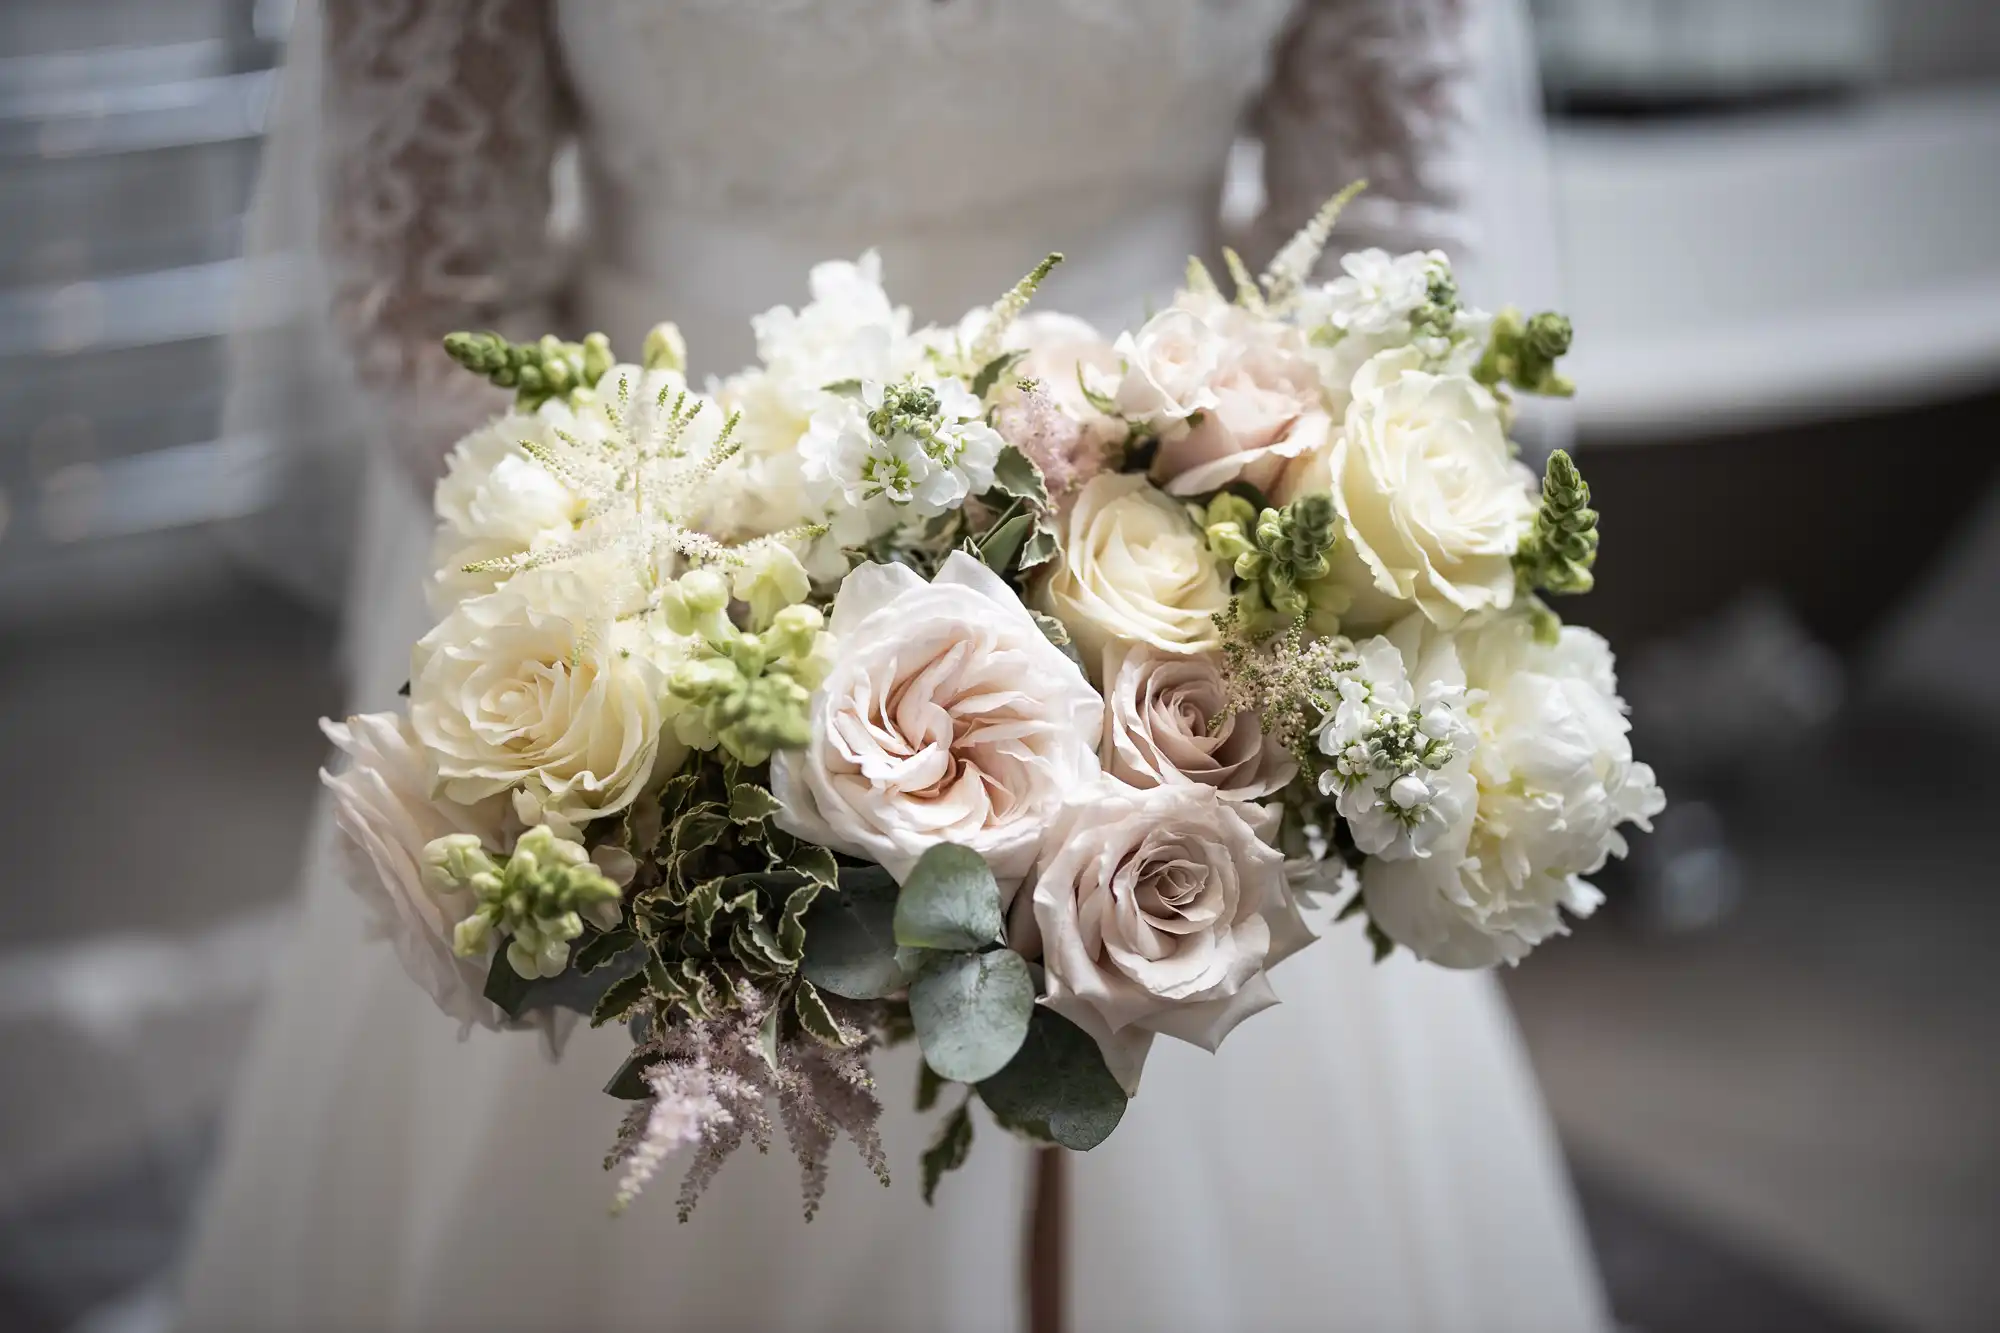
(1057, 1087)
(950, 900)
(972, 1012)
(850, 946)
(929, 1085)
(949, 1150)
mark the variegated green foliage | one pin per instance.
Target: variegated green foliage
(720, 896)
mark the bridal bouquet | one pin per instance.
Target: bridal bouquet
(999, 687)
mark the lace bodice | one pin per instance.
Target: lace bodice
(972, 132)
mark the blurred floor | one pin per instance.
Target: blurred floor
(1787, 1123)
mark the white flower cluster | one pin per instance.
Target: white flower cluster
(923, 445)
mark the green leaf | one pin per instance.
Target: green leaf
(767, 1036)
(1015, 474)
(750, 804)
(851, 939)
(699, 827)
(949, 1150)
(929, 1085)
(815, 1017)
(1384, 946)
(507, 988)
(846, 388)
(578, 991)
(598, 950)
(618, 999)
(792, 925)
(990, 373)
(1057, 1087)
(1001, 545)
(816, 864)
(972, 1013)
(1041, 547)
(949, 901)
(629, 1083)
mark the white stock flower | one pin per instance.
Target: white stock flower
(1134, 569)
(1157, 912)
(540, 686)
(948, 716)
(1556, 781)
(1166, 723)
(923, 445)
(1377, 292)
(494, 501)
(849, 331)
(383, 806)
(1432, 502)
(1399, 742)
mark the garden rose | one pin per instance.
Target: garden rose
(1166, 723)
(1157, 912)
(1432, 502)
(382, 804)
(1263, 408)
(948, 716)
(1134, 569)
(540, 686)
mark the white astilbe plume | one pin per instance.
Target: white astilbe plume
(711, 1084)
(643, 479)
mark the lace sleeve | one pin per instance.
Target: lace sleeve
(442, 118)
(1374, 89)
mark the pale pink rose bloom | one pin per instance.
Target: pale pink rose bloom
(1166, 724)
(948, 716)
(1157, 912)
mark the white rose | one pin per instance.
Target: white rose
(1432, 502)
(383, 806)
(1157, 911)
(1556, 779)
(494, 501)
(1263, 409)
(1134, 568)
(1166, 723)
(539, 685)
(948, 716)
(1168, 365)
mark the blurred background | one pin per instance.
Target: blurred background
(1773, 1065)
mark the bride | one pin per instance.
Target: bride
(1372, 1155)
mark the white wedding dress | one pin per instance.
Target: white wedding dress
(1370, 1155)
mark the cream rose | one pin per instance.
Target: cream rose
(1263, 409)
(539, 686)
(1166, 723)
(1157, 912)
(1134, 569)
(494, 501)
(948, 716)
(383, 807)
(1432, 502)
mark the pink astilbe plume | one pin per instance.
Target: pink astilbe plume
(1068, 451)
(711, 1085)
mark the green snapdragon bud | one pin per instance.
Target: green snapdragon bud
(664, 348)
(536, 371)
(538, 901)
(1278, 556)
(1560, 549)
(1522, 354)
